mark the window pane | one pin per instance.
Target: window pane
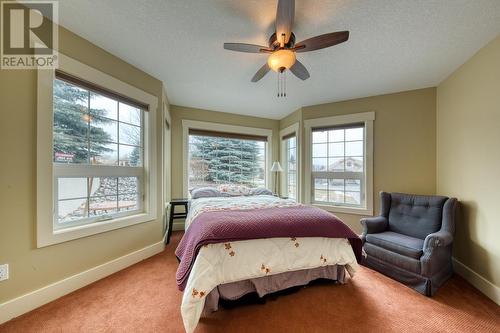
(336, 184)
(320, 150)
(291, 179)
(292, 142)
(102, 106)
(354, 164)
(71, 210)
(336, 135)
(336, 149)
(353, 198)
(321, 189)
(103, 130)
(128, 202)
(103, 205)
(292, 192)
(130, 156)
(70, 150)
(354, 134)
(319, 164)
(68, 96)
(319, 137)
(353, 185)
(104, 154)
(130, 114)
(71, 188)
(336, 164)
(128, 185)
(336, 196)
(130, 134)
(354, 148)
(103, 186)
(70, 122)
(214, 161)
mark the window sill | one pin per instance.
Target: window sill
(51, 237)
(345, 210)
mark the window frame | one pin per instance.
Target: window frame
(367, 118)
(216, 127)
(294, 128)
(47, 233)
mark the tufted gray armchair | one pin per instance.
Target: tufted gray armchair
(411, 240)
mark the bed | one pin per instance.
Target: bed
(260, 243)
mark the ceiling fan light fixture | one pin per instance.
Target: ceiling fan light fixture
(281, 59)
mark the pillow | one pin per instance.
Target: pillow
(234, 189)
(261, 191)
(205, 192)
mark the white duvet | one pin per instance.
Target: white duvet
(241, 260)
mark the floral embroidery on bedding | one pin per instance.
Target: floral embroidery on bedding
(323, 259)
(265, 269)
(228, 247)
(195, 293)
(296, 242)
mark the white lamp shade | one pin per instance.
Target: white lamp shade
(276, 167)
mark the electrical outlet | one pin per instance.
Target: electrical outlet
(4, 272)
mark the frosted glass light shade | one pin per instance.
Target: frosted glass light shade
(276, 167)
(281, 59)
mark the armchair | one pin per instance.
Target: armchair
(411, 240)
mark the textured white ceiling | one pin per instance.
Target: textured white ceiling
(394, 45)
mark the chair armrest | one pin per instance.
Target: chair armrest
(372, 225)
(441, 238)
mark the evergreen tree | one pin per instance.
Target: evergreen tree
(71, 123)
(224, 160)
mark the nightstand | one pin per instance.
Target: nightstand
(173, 215)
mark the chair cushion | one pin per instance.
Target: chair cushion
(415, 215)
(392, 258)
(402, 244)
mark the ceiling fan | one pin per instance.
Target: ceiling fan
(282, 47)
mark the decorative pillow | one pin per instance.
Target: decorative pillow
(235, 189)
(261, 191)
(205, 192)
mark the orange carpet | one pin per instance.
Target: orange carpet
(144, 298)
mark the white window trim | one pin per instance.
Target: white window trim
(367, 118)
(46, 235)
(284, 179)
(208, 126)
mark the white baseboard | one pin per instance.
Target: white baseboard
(485, 286)
(32, 300)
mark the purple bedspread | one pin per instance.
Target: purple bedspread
(235, 225)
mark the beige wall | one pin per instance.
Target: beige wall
(179, 113)
(468, 158)
(404, 141)
(32, 268)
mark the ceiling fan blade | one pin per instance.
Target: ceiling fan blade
(299, 70)
(261, 73)
(249, 48)
(284, 20)
(322, 41)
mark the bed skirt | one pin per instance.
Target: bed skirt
(271, 284)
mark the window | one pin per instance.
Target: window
(96, 154)
(98, 151)
(338, 165)
(339, 162)
(291, 165)
(221, 158)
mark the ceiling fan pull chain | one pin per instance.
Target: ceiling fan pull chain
(284, 79)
